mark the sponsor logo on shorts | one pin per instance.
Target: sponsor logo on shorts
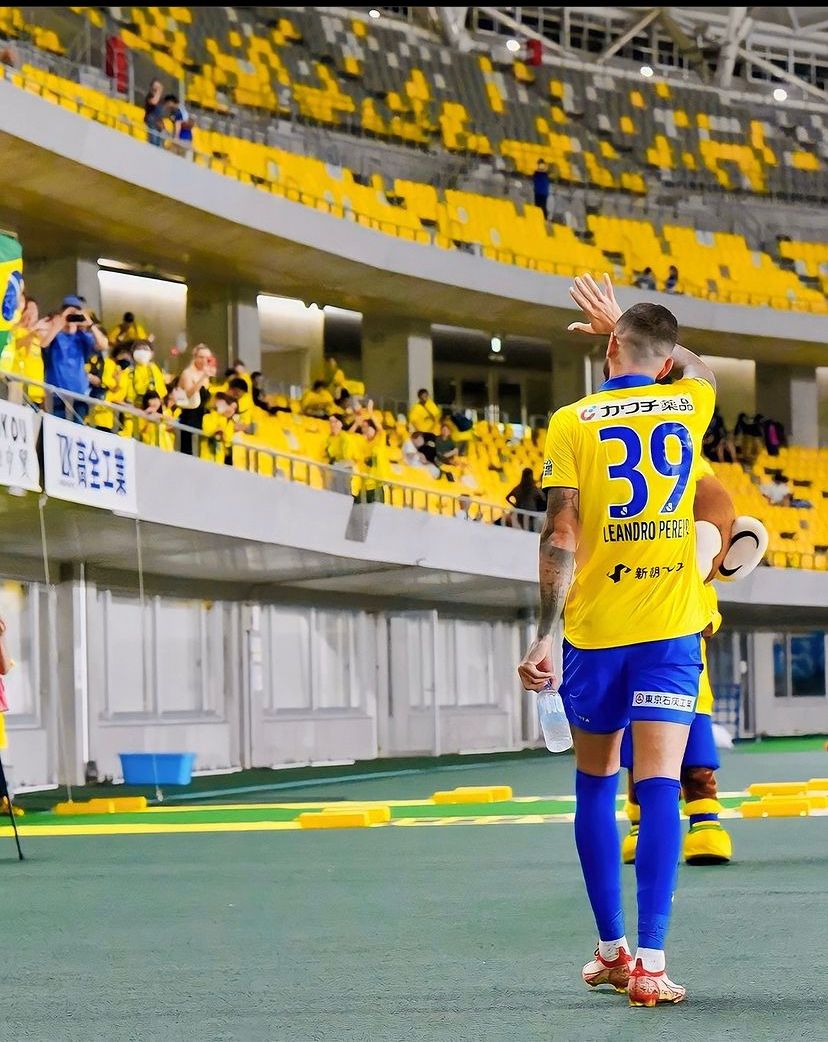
(665, 700)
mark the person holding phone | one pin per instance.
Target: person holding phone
(68, 342)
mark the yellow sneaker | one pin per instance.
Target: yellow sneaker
(628, 846)
(707, 843)
(647, 988)
(615, 973)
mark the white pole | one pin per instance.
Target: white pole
(435, 703)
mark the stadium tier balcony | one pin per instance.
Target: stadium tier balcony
(716, 266)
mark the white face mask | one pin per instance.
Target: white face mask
(142, 356)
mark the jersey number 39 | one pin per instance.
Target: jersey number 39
(627, 469)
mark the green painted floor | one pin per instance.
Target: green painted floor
(391, 935)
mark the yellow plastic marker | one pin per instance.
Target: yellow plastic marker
(776, 808)
(787, 788)
(355, 819)
(378, 814)
(71, 807)
(474, 794)
(117, 805)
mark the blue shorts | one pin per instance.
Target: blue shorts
(701, 748)
(604, 688)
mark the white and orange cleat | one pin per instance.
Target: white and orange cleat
(649, 987)
(615, 973)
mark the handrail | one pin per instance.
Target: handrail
(285, 464)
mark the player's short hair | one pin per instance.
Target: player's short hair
(647, 331)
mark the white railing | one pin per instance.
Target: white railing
(361, 485)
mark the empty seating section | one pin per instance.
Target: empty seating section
(809, 259)
(798, 536)
(604, 131)
(717, 266)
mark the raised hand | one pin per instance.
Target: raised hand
(597, 303)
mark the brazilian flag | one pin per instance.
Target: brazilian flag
(11, 285)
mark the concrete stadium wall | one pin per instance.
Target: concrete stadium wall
(248, 685)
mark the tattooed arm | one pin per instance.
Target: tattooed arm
(558, 542)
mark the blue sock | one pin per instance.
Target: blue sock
(656, 857)
(596, 837)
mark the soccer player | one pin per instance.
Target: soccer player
(617, 560)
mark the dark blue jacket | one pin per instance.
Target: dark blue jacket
(540, 179)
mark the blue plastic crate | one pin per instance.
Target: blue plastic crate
(157, 768)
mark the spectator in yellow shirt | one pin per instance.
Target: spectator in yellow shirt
(424, 416)
(318, 401)
(143, 376)
(374, 464)
(340, 455)
(26, 358)
(127, 331)
(239, 390)
(218, 430)
(106, 382)
(338, 447)
(153, 431)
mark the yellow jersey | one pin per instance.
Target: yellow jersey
(705, 701)
(425, 416)
(631, 450)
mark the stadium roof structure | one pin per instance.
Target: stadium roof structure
(725, 47)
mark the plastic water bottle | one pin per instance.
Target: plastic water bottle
(553, 721)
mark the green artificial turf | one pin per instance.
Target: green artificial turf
(402, 935)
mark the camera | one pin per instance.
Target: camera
(76, 316)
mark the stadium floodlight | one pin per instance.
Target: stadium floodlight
(513, 46)
(497, 345)
(373, 13)
(780, 94)
(646, 71)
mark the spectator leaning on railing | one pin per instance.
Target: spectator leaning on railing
(68, 343)
(526, 495)
(154, 113)
(192, 394)
(23, 354)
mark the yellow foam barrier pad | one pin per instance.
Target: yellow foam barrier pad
(782, 788)
(119, 804)
(818, 785)
(345, 819)
(776, 808)
(378, 814)
(474, 794)
(74, 807)
(115, 805)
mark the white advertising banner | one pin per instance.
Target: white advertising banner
(18, 447)
(87, 466)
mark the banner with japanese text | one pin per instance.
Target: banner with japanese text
(19, 467)
(83, 465)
